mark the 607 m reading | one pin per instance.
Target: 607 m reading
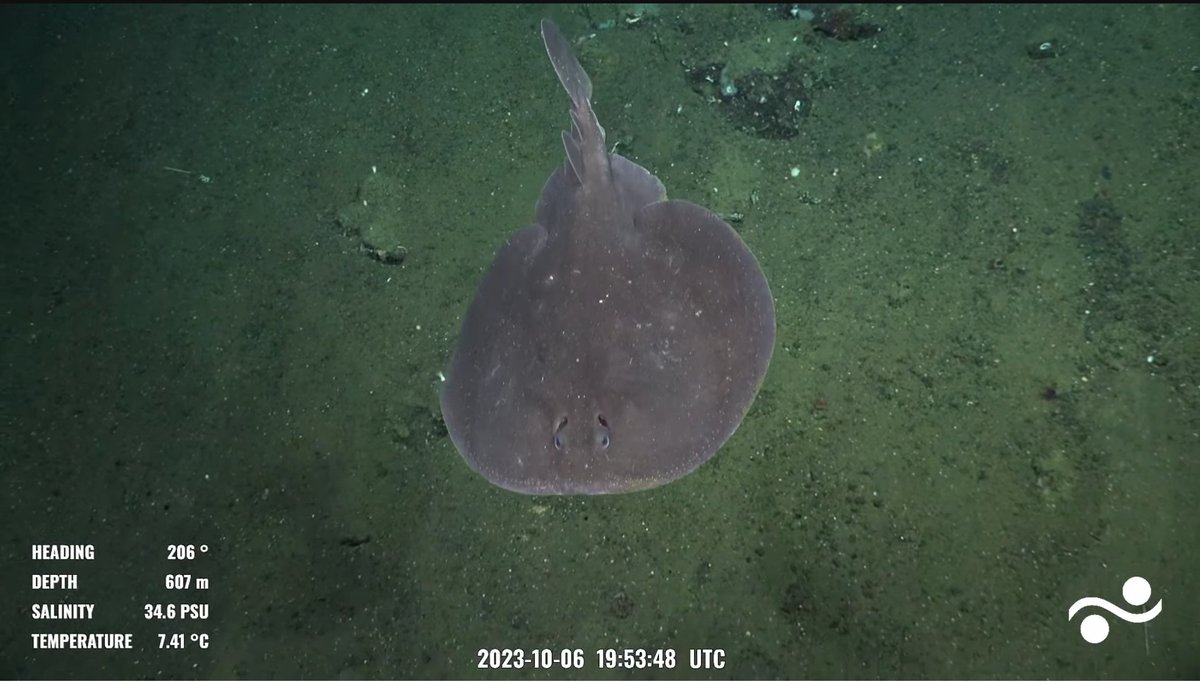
(183, 581)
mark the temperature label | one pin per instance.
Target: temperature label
(71, 640)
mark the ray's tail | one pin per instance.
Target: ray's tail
(566, 65)
(584, 143)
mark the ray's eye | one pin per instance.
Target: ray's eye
(604, 440)
(558, 439)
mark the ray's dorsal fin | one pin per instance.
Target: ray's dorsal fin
(584, 143)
